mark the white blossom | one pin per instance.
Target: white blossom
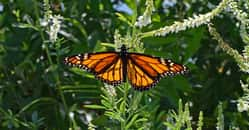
(54, 27)
(242, 105)
(243, 102)
(111, 90)
(191, 22)
(145, 19)
(71, 115)
(51, 22)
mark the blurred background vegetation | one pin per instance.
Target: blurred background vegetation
(37, 91)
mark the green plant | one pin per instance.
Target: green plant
(38, 92)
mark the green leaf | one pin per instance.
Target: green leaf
(24, 25)
(94, 106)
(108, 44)
(106, 104)
(82, 72)
(35, 103)
(169, 125)
(141, 120)
(134, 117)
(124, 19)
(122, 107)
(114, 115)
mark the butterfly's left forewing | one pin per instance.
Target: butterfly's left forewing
(106, 66)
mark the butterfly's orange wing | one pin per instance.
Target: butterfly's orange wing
(106, 66)
(145, 71)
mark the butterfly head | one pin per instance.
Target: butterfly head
(123, 48)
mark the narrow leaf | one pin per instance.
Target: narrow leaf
(94, 106)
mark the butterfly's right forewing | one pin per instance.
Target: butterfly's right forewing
(145, 71)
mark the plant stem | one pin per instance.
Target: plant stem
(124, 116)
(55, 75)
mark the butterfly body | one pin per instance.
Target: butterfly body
(123, 55)
(142, 71)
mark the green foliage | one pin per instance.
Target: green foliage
(200, 121)
(220, 118)
(37, 91)
(180, 120)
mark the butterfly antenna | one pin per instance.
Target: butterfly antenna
(123, 46)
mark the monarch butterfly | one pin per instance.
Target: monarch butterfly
(143, 71)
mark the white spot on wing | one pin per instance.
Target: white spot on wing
(85, 55)
(77, 57)
(162, 60)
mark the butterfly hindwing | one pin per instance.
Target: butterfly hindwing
(149, 70)
(114, 74)
(137, 77)
(106, 66)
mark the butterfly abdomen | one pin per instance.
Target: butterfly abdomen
(123, 55)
